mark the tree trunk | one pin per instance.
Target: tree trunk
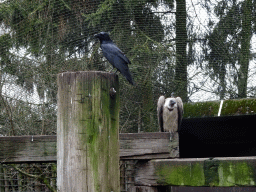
(181, 53)
(222, 85)
(245, 48)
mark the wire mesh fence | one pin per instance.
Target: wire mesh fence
(28, 177)
(199, 50)
(127, 171)
(42, 177)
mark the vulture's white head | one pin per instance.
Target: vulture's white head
(170, 103)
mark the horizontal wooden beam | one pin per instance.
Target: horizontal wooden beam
(43, 148)
(222, 172)
(27, 149)
(144, 145)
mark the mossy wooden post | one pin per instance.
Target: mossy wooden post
(87, 132)
(2, 178)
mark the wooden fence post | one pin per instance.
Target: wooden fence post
(2, 178)
(88, 132)
(174, 145)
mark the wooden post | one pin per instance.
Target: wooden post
(1, 178)
(88, 132)
(174, 145)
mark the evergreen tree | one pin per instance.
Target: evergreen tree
(58, 35)
(229, 45)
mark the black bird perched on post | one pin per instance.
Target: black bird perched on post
(114, 55)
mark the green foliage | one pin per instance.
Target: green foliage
(239, 107)
(201, 109)
(137, 111)
(24, 118)
(229, 45)
(57, 36)
(211, 108)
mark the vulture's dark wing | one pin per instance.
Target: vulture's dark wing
(180, 111)
(160, 107)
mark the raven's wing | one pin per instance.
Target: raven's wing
(110, 51)
(160, 108)
(180, 111)
(122, 66)
(117, 58)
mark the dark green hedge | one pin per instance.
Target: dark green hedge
(211, 108)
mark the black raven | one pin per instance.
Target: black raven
(114, 55)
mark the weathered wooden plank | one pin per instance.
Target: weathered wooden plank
(222, 172)
(144, 145)
(147, 135)
(143, 189)
(2, 188)
(209, 189)
(27, 149)
(43, 148)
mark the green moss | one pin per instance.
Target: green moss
(222, 173)
(201, 109)
(99, 133)
(89, 125)
(238, 174)
(211, 108)
(239, 107)
(191, 175)
(54, 168)
(211, 172)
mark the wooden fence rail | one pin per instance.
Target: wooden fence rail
(157, 170)
(22, 149)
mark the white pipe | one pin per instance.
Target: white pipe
(221, 103)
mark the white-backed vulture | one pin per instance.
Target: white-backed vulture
(169, 112)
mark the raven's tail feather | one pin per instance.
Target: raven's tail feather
(122, 66)
(128, 76)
